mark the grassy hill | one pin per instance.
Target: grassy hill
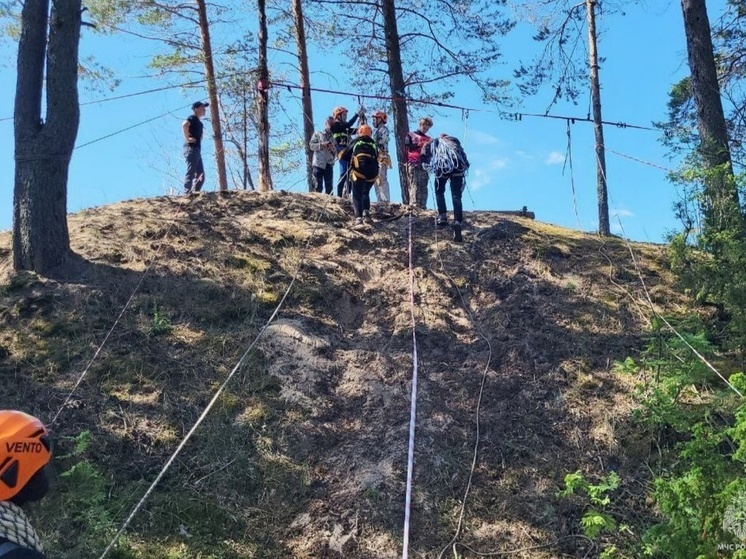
(304, 455)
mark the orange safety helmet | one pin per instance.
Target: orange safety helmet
(24, 450)
(380, 114)
(338, 111)
(364, 130)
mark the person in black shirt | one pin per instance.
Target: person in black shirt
(341, 131)
(25, 451)
(446, 159)
(192, 128)
(361, 157)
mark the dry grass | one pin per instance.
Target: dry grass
(304, 456)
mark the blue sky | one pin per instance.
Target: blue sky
(514, 163)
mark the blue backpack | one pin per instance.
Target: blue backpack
(7, 547)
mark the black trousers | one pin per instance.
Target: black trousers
(361, 196)
(195, 172)
(344, 170)
(323, 178)
(457, 188)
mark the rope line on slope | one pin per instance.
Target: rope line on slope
(701, 357)
(413, 400)
(217, 394)
(144, 274)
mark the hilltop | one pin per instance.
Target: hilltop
(304, 456)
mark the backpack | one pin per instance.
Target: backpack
(7, 547)
(364, 161)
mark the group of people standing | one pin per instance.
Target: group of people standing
(364, 161)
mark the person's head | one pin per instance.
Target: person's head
(426, 123)
(379, 117)
(25, 450)
(328, 122)
(364, 130)
(340, 113)
(199, 108)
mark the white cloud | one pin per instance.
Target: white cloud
(621, 212)
(478, 178)
(483, 174)
(555, 158)
(475, 137)
(498, 163)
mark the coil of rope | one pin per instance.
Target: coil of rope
(445, 158)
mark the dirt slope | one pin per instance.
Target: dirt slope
(304, 455)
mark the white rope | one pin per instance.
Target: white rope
(446, 158)
(652, 305)
(144, 274)
(214, 399)
(413, 404)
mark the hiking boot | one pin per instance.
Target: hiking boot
(442, 220)
(457, 233)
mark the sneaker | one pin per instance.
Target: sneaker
(366, 213)
(358, 221)
(442, 220)
(457, 233)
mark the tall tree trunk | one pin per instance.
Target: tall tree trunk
(603, 195)
(305, 83)
(265, 178)
(41, 240)
(396, 82)
(212, 92)
(720, 189)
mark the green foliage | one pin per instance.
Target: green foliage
(160, 323)
(698, 424)
(596, 520)
(709, 255)
(83, 493)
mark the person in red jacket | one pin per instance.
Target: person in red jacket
(25, 451)
(415, 193)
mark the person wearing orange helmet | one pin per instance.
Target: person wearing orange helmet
(25, 451)
(362, 158)
(417, 177)
(341, 131)
(381, 137)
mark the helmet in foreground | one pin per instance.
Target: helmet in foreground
(24, 450)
